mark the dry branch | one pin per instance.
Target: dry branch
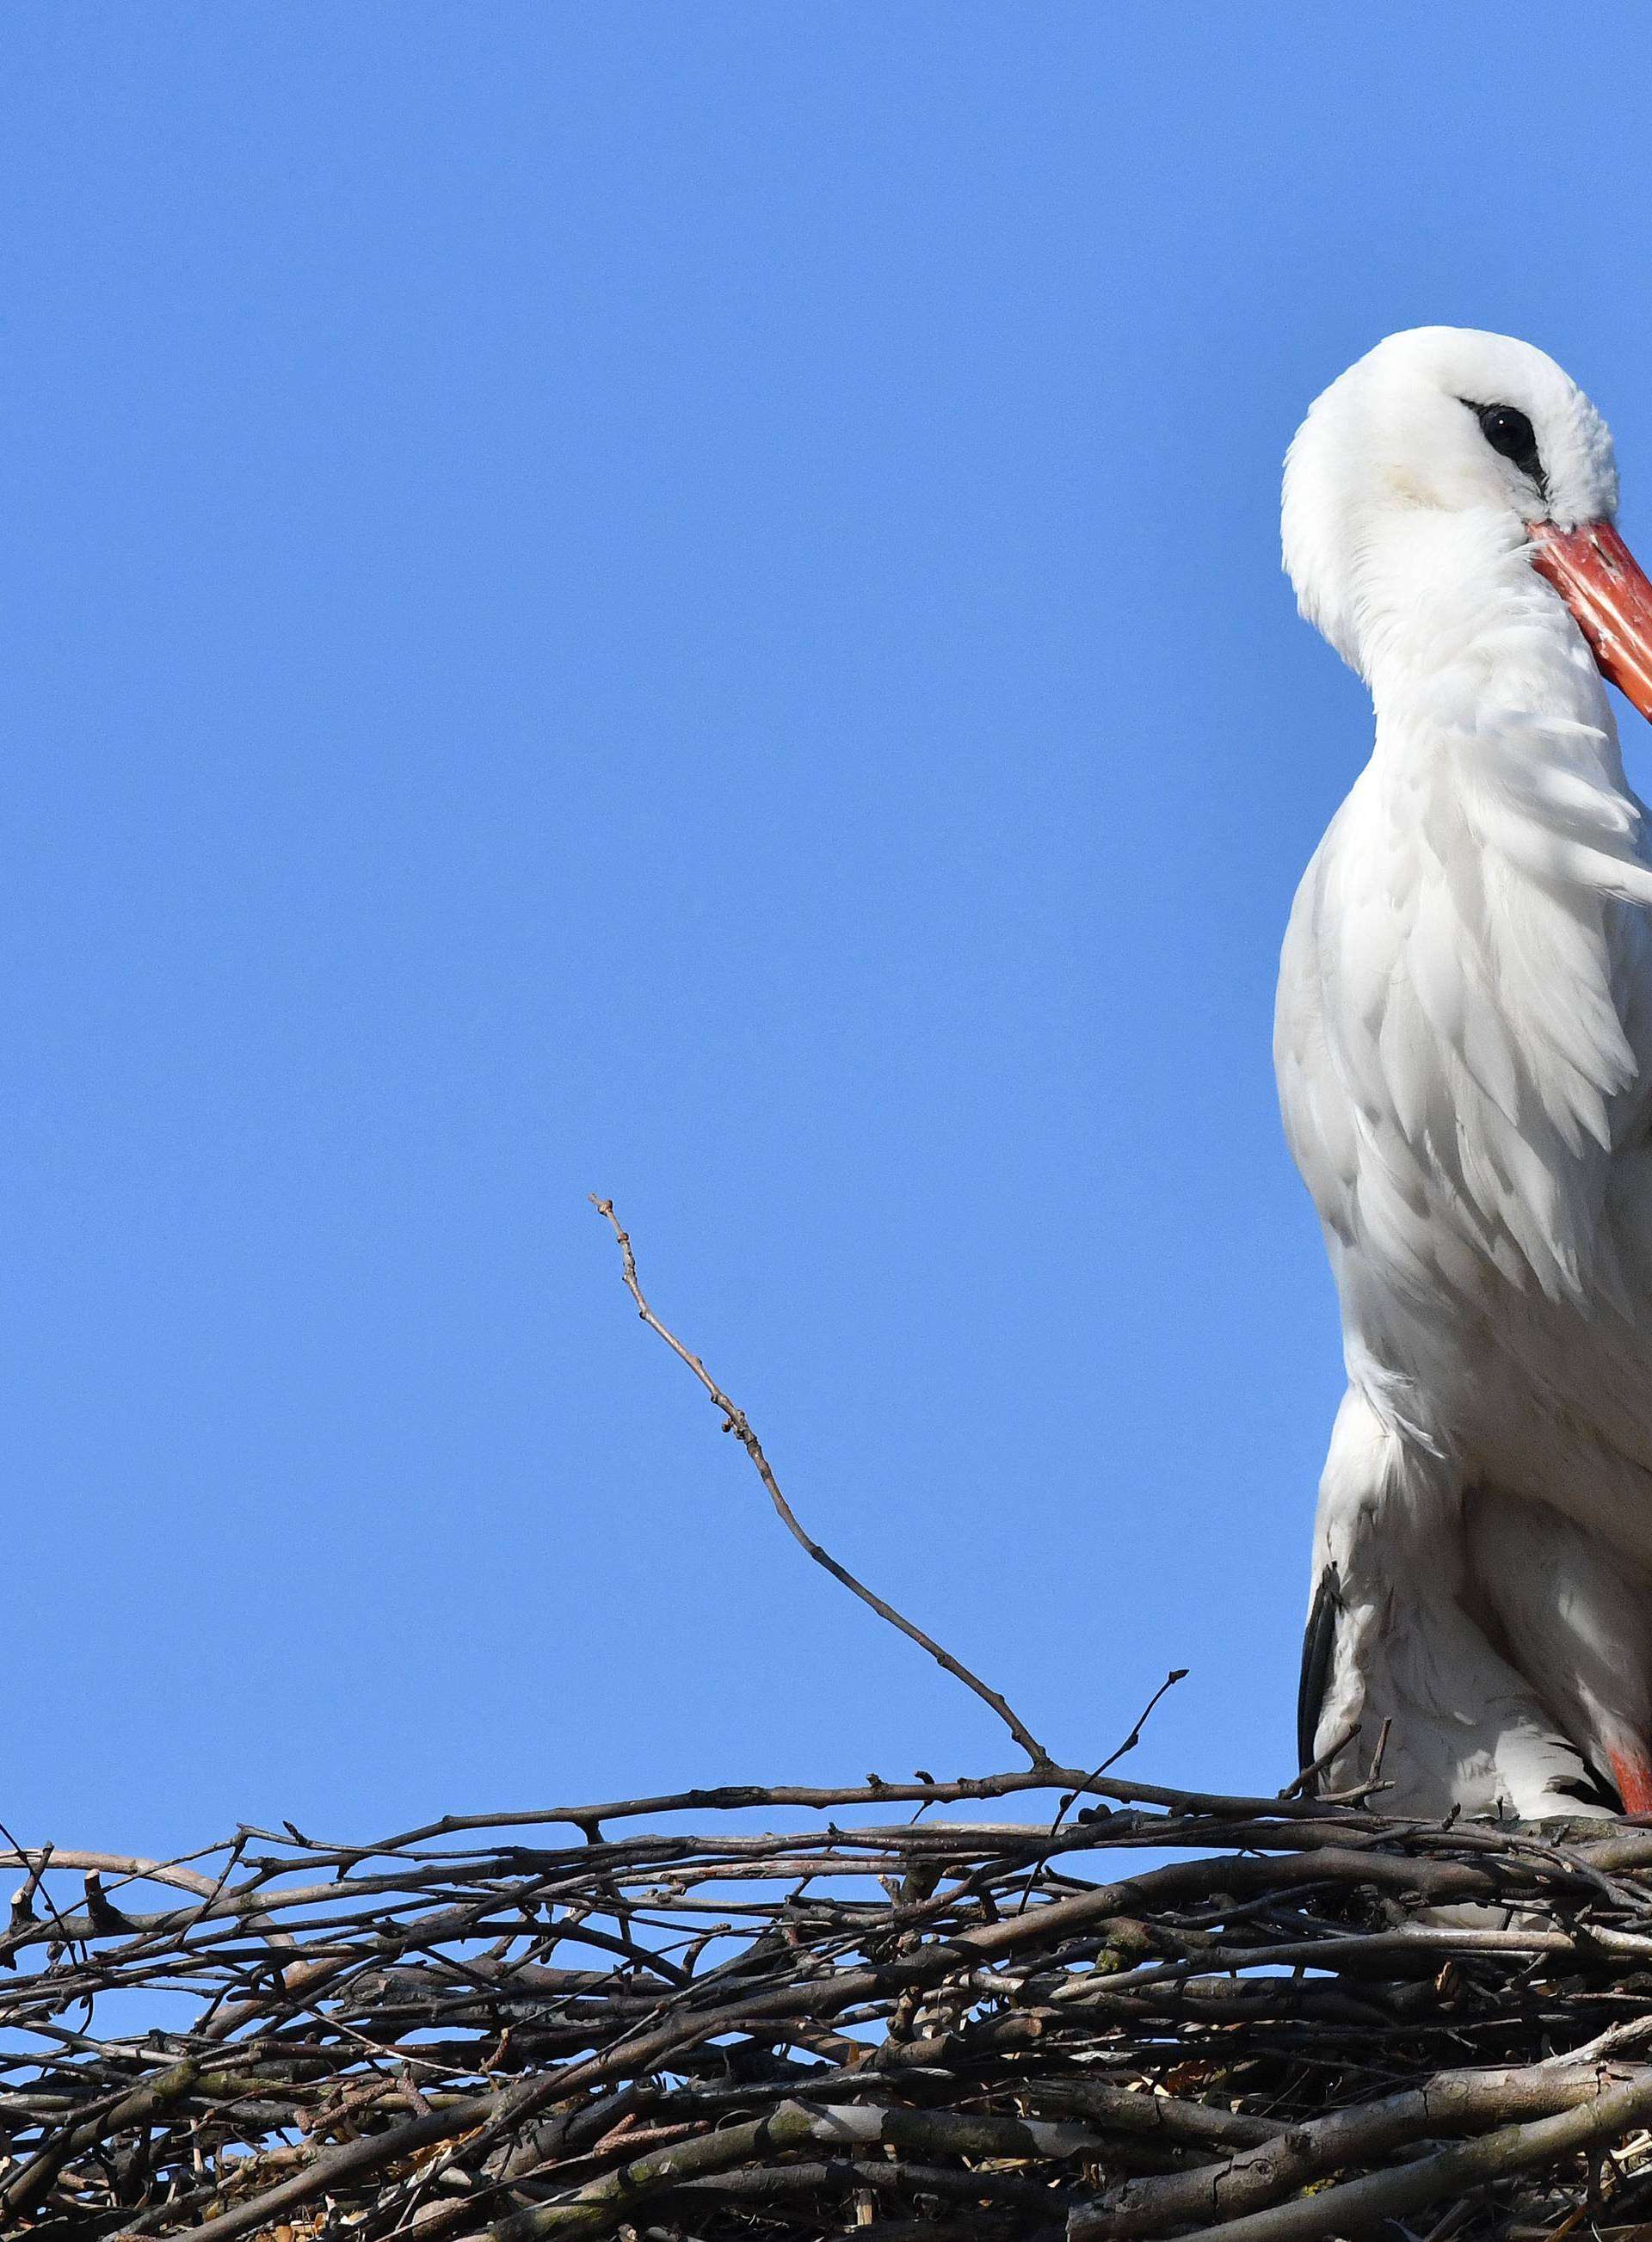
(735, 1421)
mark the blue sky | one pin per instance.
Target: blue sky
(683, 601)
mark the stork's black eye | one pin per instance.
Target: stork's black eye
(1508, 432)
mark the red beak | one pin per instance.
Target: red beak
(1600, 581)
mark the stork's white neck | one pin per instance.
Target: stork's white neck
(1496, 839)
(1456, 629)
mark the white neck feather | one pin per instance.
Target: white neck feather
(1497, 826)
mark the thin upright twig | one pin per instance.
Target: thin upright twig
(735, 1421)
(1070, 1798)
(1177, 1673)
(1357, 1793)
(1305, 1777)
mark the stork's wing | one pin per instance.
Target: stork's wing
(1464, 1048)
(1317, 1645)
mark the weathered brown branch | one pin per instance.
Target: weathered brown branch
(1596, 2122)
(601, 2207)
(1451, 2102)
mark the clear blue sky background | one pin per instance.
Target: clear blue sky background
(682, 600)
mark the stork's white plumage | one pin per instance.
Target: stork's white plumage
(1464, 1048)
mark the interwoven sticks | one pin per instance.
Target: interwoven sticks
(1175, 2014)
(740, 2014)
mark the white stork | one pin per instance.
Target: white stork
(1464, 1049)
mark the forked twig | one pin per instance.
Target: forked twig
(735, 1421)
(1359, 1792)
(1177, 1673)
(1070, 1798)
(1300, 1782)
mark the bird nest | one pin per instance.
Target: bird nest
(759, 2013)
(756, 2013)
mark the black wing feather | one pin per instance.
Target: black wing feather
(1317, 1645)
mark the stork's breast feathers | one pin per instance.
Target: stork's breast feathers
(1465, 1021)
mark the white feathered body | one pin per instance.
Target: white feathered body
(1464, 1048)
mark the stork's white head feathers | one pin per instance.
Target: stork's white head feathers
(1425, 470)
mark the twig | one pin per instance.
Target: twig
(1357, 1793)
(1070, 1797)
(735, 1421)
(1305, 1776)
(1177, 1673)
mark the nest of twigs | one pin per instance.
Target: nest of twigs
(784, 2012)
(668, 2018)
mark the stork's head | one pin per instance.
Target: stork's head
(1445, 459)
